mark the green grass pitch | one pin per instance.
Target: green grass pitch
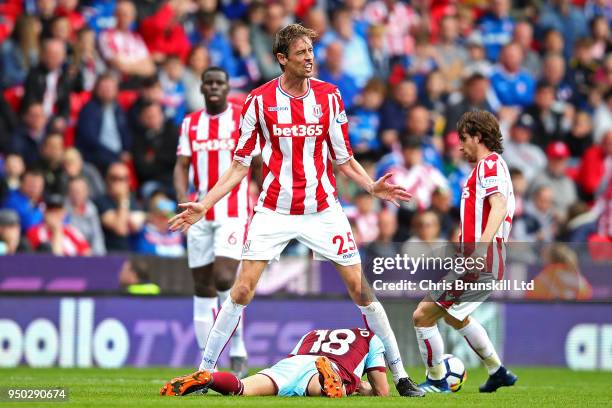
(139, 387)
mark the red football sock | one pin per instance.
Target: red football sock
(226, 383)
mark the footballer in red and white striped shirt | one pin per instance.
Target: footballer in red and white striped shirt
(299, 127)
(487, 207)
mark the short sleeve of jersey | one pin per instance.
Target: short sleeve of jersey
(184, 148)
(375, 359)
(339, 146)
(492, 177)
(248, 144)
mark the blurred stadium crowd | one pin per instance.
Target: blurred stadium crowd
(94, 92)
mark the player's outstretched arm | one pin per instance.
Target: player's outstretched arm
(379, 188)
(194, 211)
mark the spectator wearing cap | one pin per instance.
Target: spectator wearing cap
(26, 200)
(54, 235)
(549, 120)
(564, 189)
(83, 214)
(154, 150)
(10, 234)
(118, 210)
(496, 27)
(477, 62)
(123, 49)
(512, 84)
(519, 152)
(102, 131)
(155, 238)
(30, 133)
(50, 82)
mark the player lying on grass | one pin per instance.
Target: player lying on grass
(324, 362)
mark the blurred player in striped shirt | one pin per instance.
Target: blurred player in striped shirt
(206, 146)
(298, 125)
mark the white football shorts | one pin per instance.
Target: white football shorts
(327, 233)
(209, 239)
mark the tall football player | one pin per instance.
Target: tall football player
(206, 145)
(324, 362)
(487, 207)
(298, 125)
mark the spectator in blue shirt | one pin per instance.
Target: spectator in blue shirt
(26, 200)
(364, 121)
(356, 57)
(174, 101)
(243, 70)
(496, 27)
(206, 34)
(155, 238)
(394, 110)
(512, 84)
(332, 71)
(562, 16)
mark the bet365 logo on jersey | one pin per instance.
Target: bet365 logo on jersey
(213, 144)
(297, 130)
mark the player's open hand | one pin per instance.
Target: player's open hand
(388, 191)
(192, 213)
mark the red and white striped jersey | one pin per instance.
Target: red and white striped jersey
(210, 142)
(127, 45)
(490, 176)
(354, 351)
(73, 242)
(297, 137)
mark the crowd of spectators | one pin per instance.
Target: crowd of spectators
(94, 92)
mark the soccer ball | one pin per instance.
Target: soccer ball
(456, 375)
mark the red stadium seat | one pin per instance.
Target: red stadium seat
(13, 97)
(126, 99)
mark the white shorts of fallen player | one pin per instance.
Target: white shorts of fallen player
(327, 233)
(209, 239)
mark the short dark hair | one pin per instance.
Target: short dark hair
(215, 69)
(483, 124)
(285, 36)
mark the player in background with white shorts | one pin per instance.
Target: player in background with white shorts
(214, 244)
(298, 125)
(324, 362)
(487, 208)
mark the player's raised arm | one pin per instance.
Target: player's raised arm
(380, 188)
(194, 211)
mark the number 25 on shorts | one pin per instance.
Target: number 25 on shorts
(339, 240)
